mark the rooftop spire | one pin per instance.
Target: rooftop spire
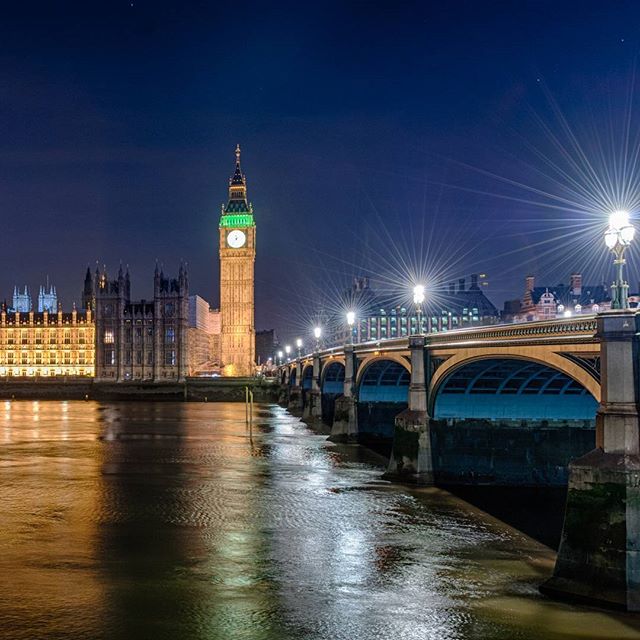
(238, 190)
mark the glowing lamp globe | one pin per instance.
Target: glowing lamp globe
(317, 332)
(287, 349)
(351, 318)
(627, 233)
(418, 294)
(280, 354)
(619, 220)
(611, 238)
(299, 343)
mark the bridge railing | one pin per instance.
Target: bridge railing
(584, 326)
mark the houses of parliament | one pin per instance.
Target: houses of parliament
(165, 338)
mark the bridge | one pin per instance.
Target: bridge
(544, 403)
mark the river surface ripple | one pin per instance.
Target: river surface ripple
(163, 520)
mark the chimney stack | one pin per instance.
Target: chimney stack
(576, 284)
(461, 284)
(529, 283)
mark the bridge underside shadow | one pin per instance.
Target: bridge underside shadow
(510, 422)
(382, 395)
(332, 388)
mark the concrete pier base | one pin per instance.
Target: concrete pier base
(411, 457)
(294, 405)
(312, 411)
(345, 420)
(599, 557)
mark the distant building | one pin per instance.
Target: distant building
(21, 300)
(380, 317)
(203, 338)
(561, 300)
(141, 340)
(47, 300)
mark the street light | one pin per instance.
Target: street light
(299, 346)
(279, 357)
(351, 318)
(618, 237)
(287, 350)
(317, 332)
(418, 299)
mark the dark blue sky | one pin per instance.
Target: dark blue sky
(368, 133)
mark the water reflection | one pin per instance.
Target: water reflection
(162, 520)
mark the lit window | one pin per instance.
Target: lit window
(108, 337)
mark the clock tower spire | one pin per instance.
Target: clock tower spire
(237, 244)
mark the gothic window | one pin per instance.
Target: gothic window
(10, 359)
(109, 357)
(150, 357)
(23, 337)
(127, 357)
(108, 336)
(138, 357)
(170, 335)
(168, 309)
(138, 334)
(24, 357)
(38, 357)
(67, 337)
(81, 336)
(170, 358)
(127, 334)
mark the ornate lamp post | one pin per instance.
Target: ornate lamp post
(280, 357)
(351, 318)
(618, 237)
(317, 332)
(299, 346)
(287, 350)
(418, 299)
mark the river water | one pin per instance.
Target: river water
(162, 520)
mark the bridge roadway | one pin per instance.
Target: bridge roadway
(541, 403)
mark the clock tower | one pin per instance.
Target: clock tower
(237, 234)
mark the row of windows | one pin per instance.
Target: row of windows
(109, 335)
(47, 357)
(138, 357)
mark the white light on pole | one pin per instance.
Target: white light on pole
(299, 346)
(280, 354)
(351, 318)
(317, 332)
(618, 237)
(418, 299)
(287, 350)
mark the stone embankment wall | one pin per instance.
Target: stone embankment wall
(195, 389)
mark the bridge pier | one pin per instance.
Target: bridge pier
(599, 556)
(295, 405)
(411, 455)
(312, 411)
(345, 419)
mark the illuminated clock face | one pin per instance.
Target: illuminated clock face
(236, 239)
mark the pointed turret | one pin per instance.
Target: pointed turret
(237, 191)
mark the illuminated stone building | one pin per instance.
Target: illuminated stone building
(555, 301)
(237, 243)
(203, 338)
(379, 317)
(145, 339)
(47, 344)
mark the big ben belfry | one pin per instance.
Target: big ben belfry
(237, 257)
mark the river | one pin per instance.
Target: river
(165, 520)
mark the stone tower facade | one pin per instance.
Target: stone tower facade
(237, 244)
(146, 339)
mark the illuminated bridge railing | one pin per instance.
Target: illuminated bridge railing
(583, 326)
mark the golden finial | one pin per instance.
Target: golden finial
(238, 153)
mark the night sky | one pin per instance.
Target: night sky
(392, 140)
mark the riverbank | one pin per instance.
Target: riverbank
(192, 390)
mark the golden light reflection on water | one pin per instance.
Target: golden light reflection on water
(164, 520)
